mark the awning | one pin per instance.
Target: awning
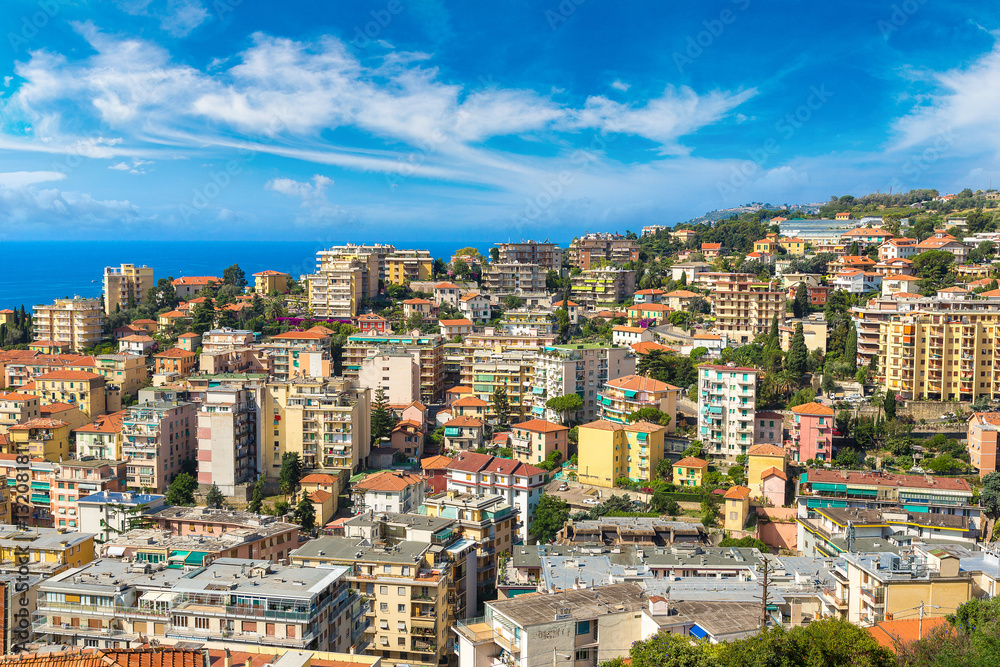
(178, 555)
(697, 631)
(116, 551)
(630, 394)
(195, 558)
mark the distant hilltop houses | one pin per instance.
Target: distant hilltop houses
(525, 448)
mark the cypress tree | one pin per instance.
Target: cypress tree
(890, 405)
(796, 360)
(800, 306)
(851, 348)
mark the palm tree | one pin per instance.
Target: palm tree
(274, 307)
(783, 383)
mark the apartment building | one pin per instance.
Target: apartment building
(49, 550)
(812, 432)
(364, 253)
(591, 249)
(982, 439)
(17, 408)
(74, 480)
(726, 407)
(533, 440)
(511, 371)
(608, 451)
(158, 437)
(76, 323)
(603, 288)
(127, 372)
(745, 309)
(389, 491)
(546, 255)
(277, 541)
(427, 349)
(326, 421)
(336, 291)
(266, 282)
(513, 277)
(393, 370)
(580, 368)
(689, 471)
(475, 307)
(126, 285)
(113, 602)
(630, 393)
(528, 322)
(176, 361)
(299, 354)
(40, 438)
(406, 266)
(228, 454)
(407, 592)
(110, 513)
(520, 484)
(37, 511)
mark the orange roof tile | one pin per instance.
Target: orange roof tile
(388, 480)
(470, 402)
(646, 347)
(138, 338)
(269, 272)
(320, 496)
(894, 634)
(456, 323)
(38, 423)
(435, 462)
(69, 375)
(174, 353)
(540, 426)
(299, 335)
(104, 424)
(773, 471)
(766, 450)
(52, 408)
(737, 493)
(691, 462)
(318, 478)
(196, 280)
(639, 383)
(464, 421)
(813, 408)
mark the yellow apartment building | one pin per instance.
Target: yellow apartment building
(737, 507)
(76, 322)
(793, 246)
(337, 289)
(269, 281)
(83, 389)
(17, 408)
(405, 266)
(40, 438)
(627, 394)
(49, 550)
(608, 451)
(323, 420)
(760, 459)
(124, 283)
(941, 356)
(427, 349)
(126, 371)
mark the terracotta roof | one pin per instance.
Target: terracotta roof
(470, 402)
(473, 462)
(691, 462)
(717, 367)
(388, 480)
(174, 353)
(52, 408)
(540, 426)
(648, 346)
(639, 383)
(196, 280)
(173, 314)
(813, 408)
(38, 423)
(69, 375)
(773, 471)
(465, 420)
(6, 311)
(456, 323)
(269, 273)
(737, 493)
(893, 634)
(560, 303)
(470, 297)
(650, 291)
(132, 657)
(104, 424)
(318, 478)
(459, 390)
(299, 335)
(886, 479)
(143, 321)
(953, 290)
(766, 450)
(414, 302)
(913, 295)
(189, 335)
(711, 246)
(604, 425)
(682, 294)
(435, 462)
(861, 231)
(17, 397)
(446, 286)
(320, 496)
(370, 317)
(407, 424)
(707, 337)
(625, 329)
(137, 338)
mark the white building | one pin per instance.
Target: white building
(856, 281)
(228, 449)
(475, 307)
(622, 335)
(726, 406)
(395, 371)
(108, 514)
(389, 491)
(580, 369)
(520, 484)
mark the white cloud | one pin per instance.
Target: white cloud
(618, 84)
(19, 179)
(305, 190)
(177, 17)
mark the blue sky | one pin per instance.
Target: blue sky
(403, 120)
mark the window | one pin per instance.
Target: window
(401, 590)
(400, 641)
(201, 623)
(383, 590)
(732, 516)
(583, 628)
(383, 606)
(401, 608)
(181, 621)
(583, 656)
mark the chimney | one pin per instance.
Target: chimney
(249, 662)
(227, 661)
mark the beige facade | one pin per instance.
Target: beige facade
(407, 266)
(744, 310)
(397, 372)
(545, 254)
(76, 322)
(428, 349)
(513, 277)
(601, 288)
(337, 289)
(125, 283)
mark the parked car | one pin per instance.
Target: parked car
(564, 487)
(837, 433)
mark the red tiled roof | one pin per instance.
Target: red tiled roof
(540, 426)
(691, 462)
(160, 656)
(299, 335)
(886, 479)
(456, 323)
(320, 496)
(414, 302)
(174, 353)
(388, 480)
(711, 246)
(766, 450)
(104, 424)
(737, 493)
(52, 408)
(646, 347)
(318, 478)
(470, 402)
(773, 471)
(464, 421)
(446, 286)
(196, 280)
(435, 462)
(473, 462)
(137, 338)
(38, 423)
(893, 634)
(17, 397)
(813, 408)
(269, 272)
(69, 375)
(639, 383)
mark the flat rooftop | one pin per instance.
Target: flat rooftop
(351, 549)
(536, 609)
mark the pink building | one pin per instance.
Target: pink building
(812, 432)
(278, 539)
(78, 479)
(773, 485)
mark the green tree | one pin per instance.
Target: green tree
(257, 499)
(944, 464)
(214, 497)
(234, 276)
(797, 358)
(889, 405)
(649, 414)
(989, 497)
(501, 405)
(550, 517)
(383, 420)
(203, 316)
(665, 469)
(694, 449)
(291, 472)
(800, 306)
(305, 514)
(935, 270)
(851, 348)
(566, 406)
(181, 490)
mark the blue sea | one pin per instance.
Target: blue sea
(37, 272)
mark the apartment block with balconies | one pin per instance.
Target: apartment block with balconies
(726, 407)
(335, 292)
(608, 451)
(228, 452)
(545, 254)
(744, 309)
(603, 288)
(581, 369)
(513, 277)
(124, 285)
(407, 266)
(427, 349)
(631, 393)
(75, 322)
(157, 438)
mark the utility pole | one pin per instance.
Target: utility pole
(920, 623)
(764, 581)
